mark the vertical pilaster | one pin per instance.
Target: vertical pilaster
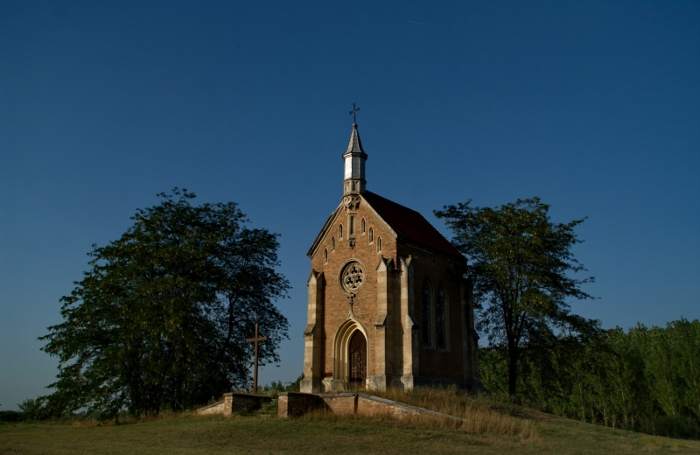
(313, 335)
(377, 378)
(469, 339)
(410, 334)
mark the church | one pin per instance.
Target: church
(388, 302)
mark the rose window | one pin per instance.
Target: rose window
(352, 277)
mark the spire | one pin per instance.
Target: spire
(354, 160)
(355, 144)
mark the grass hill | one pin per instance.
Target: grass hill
(488, 429)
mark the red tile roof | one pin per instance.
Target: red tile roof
(410, 225)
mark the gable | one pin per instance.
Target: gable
(406, 224)
(326, 226)
(333, 217)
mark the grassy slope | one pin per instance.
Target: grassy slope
(205, 435)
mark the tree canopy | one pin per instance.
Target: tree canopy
(642, 379)
(523, 271)
(159, 320)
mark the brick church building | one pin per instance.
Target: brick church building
(388, 304)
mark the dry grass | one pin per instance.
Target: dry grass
(211, 435)
(476, 416)
(88, 422)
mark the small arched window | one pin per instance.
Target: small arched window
(332, 243)
(371, 235)
(325, 254)
(363, 225)
(379, 244)
(340, 232)
(440, 307)
(426, 313)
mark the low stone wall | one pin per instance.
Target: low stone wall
(211, 409)
(247, 402)
(228, 405)
(370, 405)
(343, 403)
(297, 404)
(235, 403)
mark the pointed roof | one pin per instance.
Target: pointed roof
(355, 144)
(410, 226)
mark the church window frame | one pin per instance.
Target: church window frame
(325, 255)
(427, 312)
(332, 243)
(441, 320)
(363, 226)
(379, 244)
(340, 232)
(371, 236)
(351, 226)
(352, 276)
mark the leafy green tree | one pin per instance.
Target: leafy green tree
(34, 409)
(159, 320)
(521, 266)
(645, 379)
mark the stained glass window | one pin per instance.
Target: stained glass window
(440, 339)
(352, 277)
(426, 328)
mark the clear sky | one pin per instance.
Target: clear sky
(593, 106)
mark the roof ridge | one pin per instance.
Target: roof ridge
(394, 202)
(410, 225)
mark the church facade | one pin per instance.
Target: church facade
(388, 304)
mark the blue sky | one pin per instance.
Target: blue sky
(593, 106)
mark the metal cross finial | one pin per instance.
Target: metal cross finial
(355, 109)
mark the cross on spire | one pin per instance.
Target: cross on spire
(354, 159)
(355, 109)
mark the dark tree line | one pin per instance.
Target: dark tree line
(644, 379)
(159, 320)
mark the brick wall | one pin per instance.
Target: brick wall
(335, 299)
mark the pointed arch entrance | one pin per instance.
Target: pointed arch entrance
(357, 360)
(350, 355)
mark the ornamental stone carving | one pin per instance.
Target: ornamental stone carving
(352, 202)
(352, 276)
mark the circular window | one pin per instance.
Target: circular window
(352, 277)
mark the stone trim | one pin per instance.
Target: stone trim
(340, 352)
(313, 335)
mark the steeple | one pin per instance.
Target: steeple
(354, 159)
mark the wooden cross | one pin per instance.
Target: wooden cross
(255, 341)
(355, 109)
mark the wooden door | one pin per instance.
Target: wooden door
(357, 360)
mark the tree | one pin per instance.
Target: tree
(34, 409)
(642, 379)
(160, 318)
(520, 266)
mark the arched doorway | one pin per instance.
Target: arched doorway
(357, 360)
